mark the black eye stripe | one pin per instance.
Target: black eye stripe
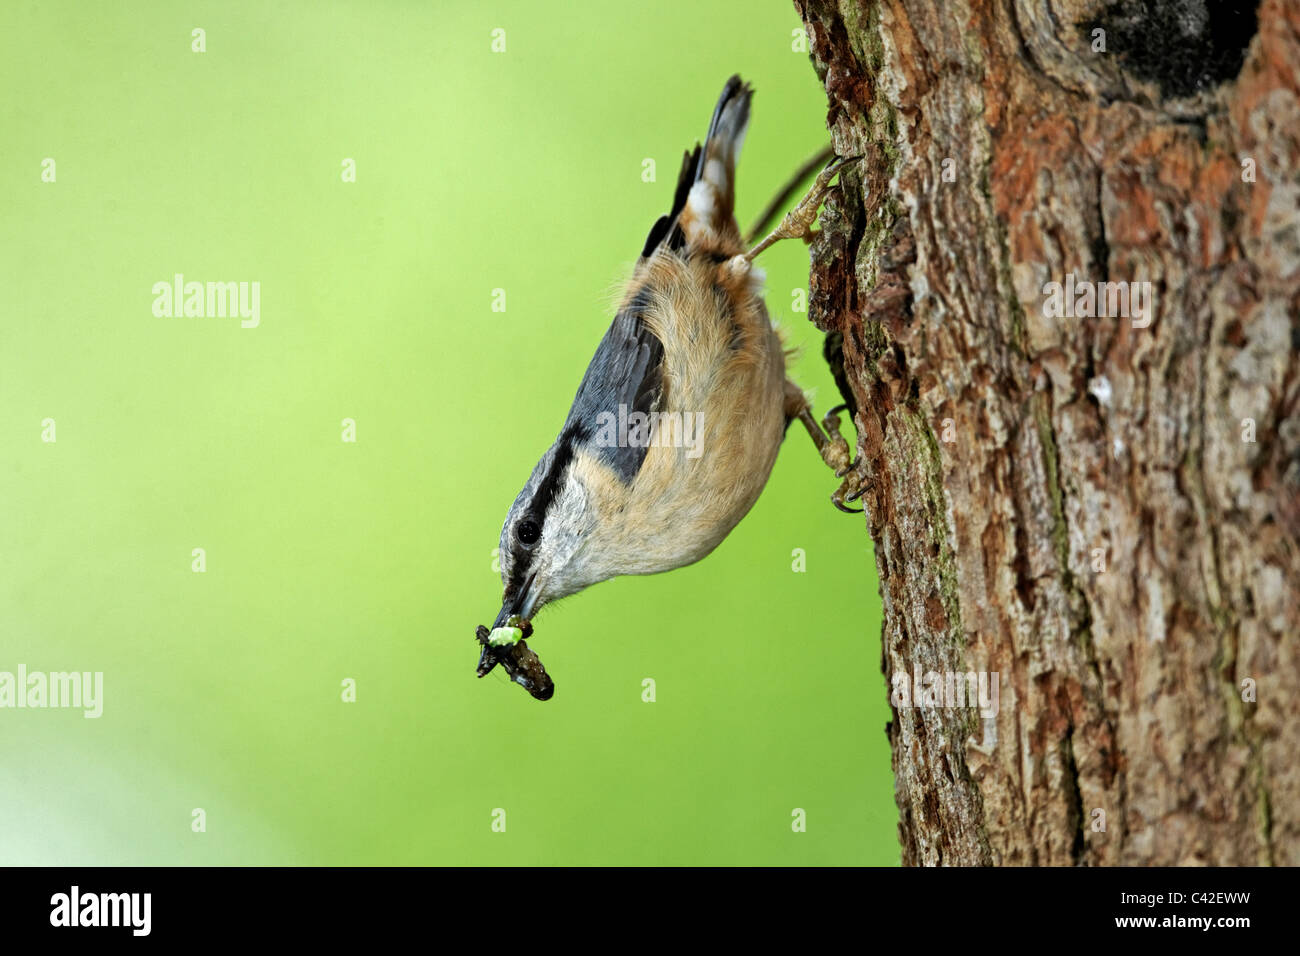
(541, 503)
(550, 485)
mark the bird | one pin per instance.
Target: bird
(677, 422)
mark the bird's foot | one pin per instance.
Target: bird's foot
(851, 489)
(831, 445)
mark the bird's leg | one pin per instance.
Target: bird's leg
(813, 165)
(830, 444)
(798, 222)
(834, 450)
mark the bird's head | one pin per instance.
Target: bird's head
(549, 542)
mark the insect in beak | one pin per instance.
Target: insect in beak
(505, 644)
(521, 664)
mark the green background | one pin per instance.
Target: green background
(373, 561)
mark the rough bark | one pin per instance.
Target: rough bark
(1008, 450)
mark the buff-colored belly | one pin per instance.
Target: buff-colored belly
(701, 492)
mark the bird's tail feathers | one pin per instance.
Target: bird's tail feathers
(712, 197)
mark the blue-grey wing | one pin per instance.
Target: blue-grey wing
(625, 376)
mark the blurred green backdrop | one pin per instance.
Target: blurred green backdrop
(372, 561)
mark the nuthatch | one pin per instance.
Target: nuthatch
(678, 420)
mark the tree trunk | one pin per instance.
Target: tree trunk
(1102, 509)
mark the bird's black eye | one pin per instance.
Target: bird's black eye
(528, 531)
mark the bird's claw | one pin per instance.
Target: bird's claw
(851, 490)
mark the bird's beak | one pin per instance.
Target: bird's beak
(519, 604)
